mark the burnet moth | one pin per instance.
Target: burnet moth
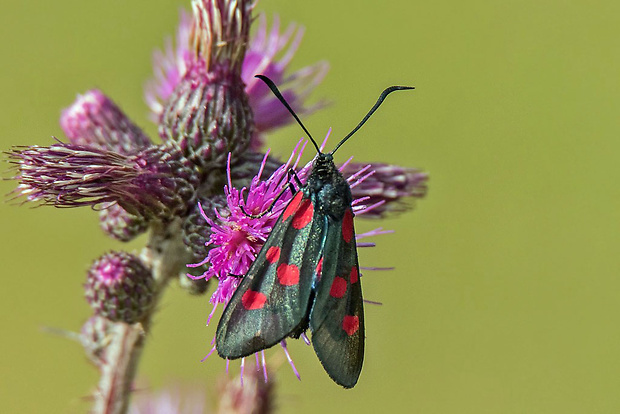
(306, 276)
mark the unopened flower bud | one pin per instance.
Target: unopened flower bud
(119, 287)
(117, 223)
(95, 120)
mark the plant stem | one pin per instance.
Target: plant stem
(166, 255)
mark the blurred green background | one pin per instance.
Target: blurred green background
(505, 297)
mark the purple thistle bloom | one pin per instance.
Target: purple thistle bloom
(386, 188)
(175, 62)
(236, 238)
(152, 183)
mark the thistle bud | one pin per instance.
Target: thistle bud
(119, 287)
(95, 120)
(208, 114)
(117, 223)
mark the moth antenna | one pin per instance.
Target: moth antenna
(382, 97)
(278, 95)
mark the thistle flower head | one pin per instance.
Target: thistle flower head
(119, 287)
(117, 223)
(95, 120)
(384, 188)
(269, 52)
(236, 238)
(152, 183)
(207, 115)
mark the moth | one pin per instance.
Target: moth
(307, 275)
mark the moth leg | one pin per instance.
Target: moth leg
(292, 174)
(289, 185)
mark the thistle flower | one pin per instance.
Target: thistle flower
(94, 120)
(177, 61)
(388, 188)
(119, 287)
(208, 114)
(235, 238)
(152, 183)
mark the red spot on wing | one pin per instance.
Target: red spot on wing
(304, 215)
(350, 324)
(273, 254)
(253, 300)
(339, 287)
(319, 269)
(288, 275)
(354, 276)
(292, 206)
(347, 226)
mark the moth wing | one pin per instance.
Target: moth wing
(337, 317)
(272, 300)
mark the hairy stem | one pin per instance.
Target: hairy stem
(166, 254)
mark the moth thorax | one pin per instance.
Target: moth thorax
(323, 166)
